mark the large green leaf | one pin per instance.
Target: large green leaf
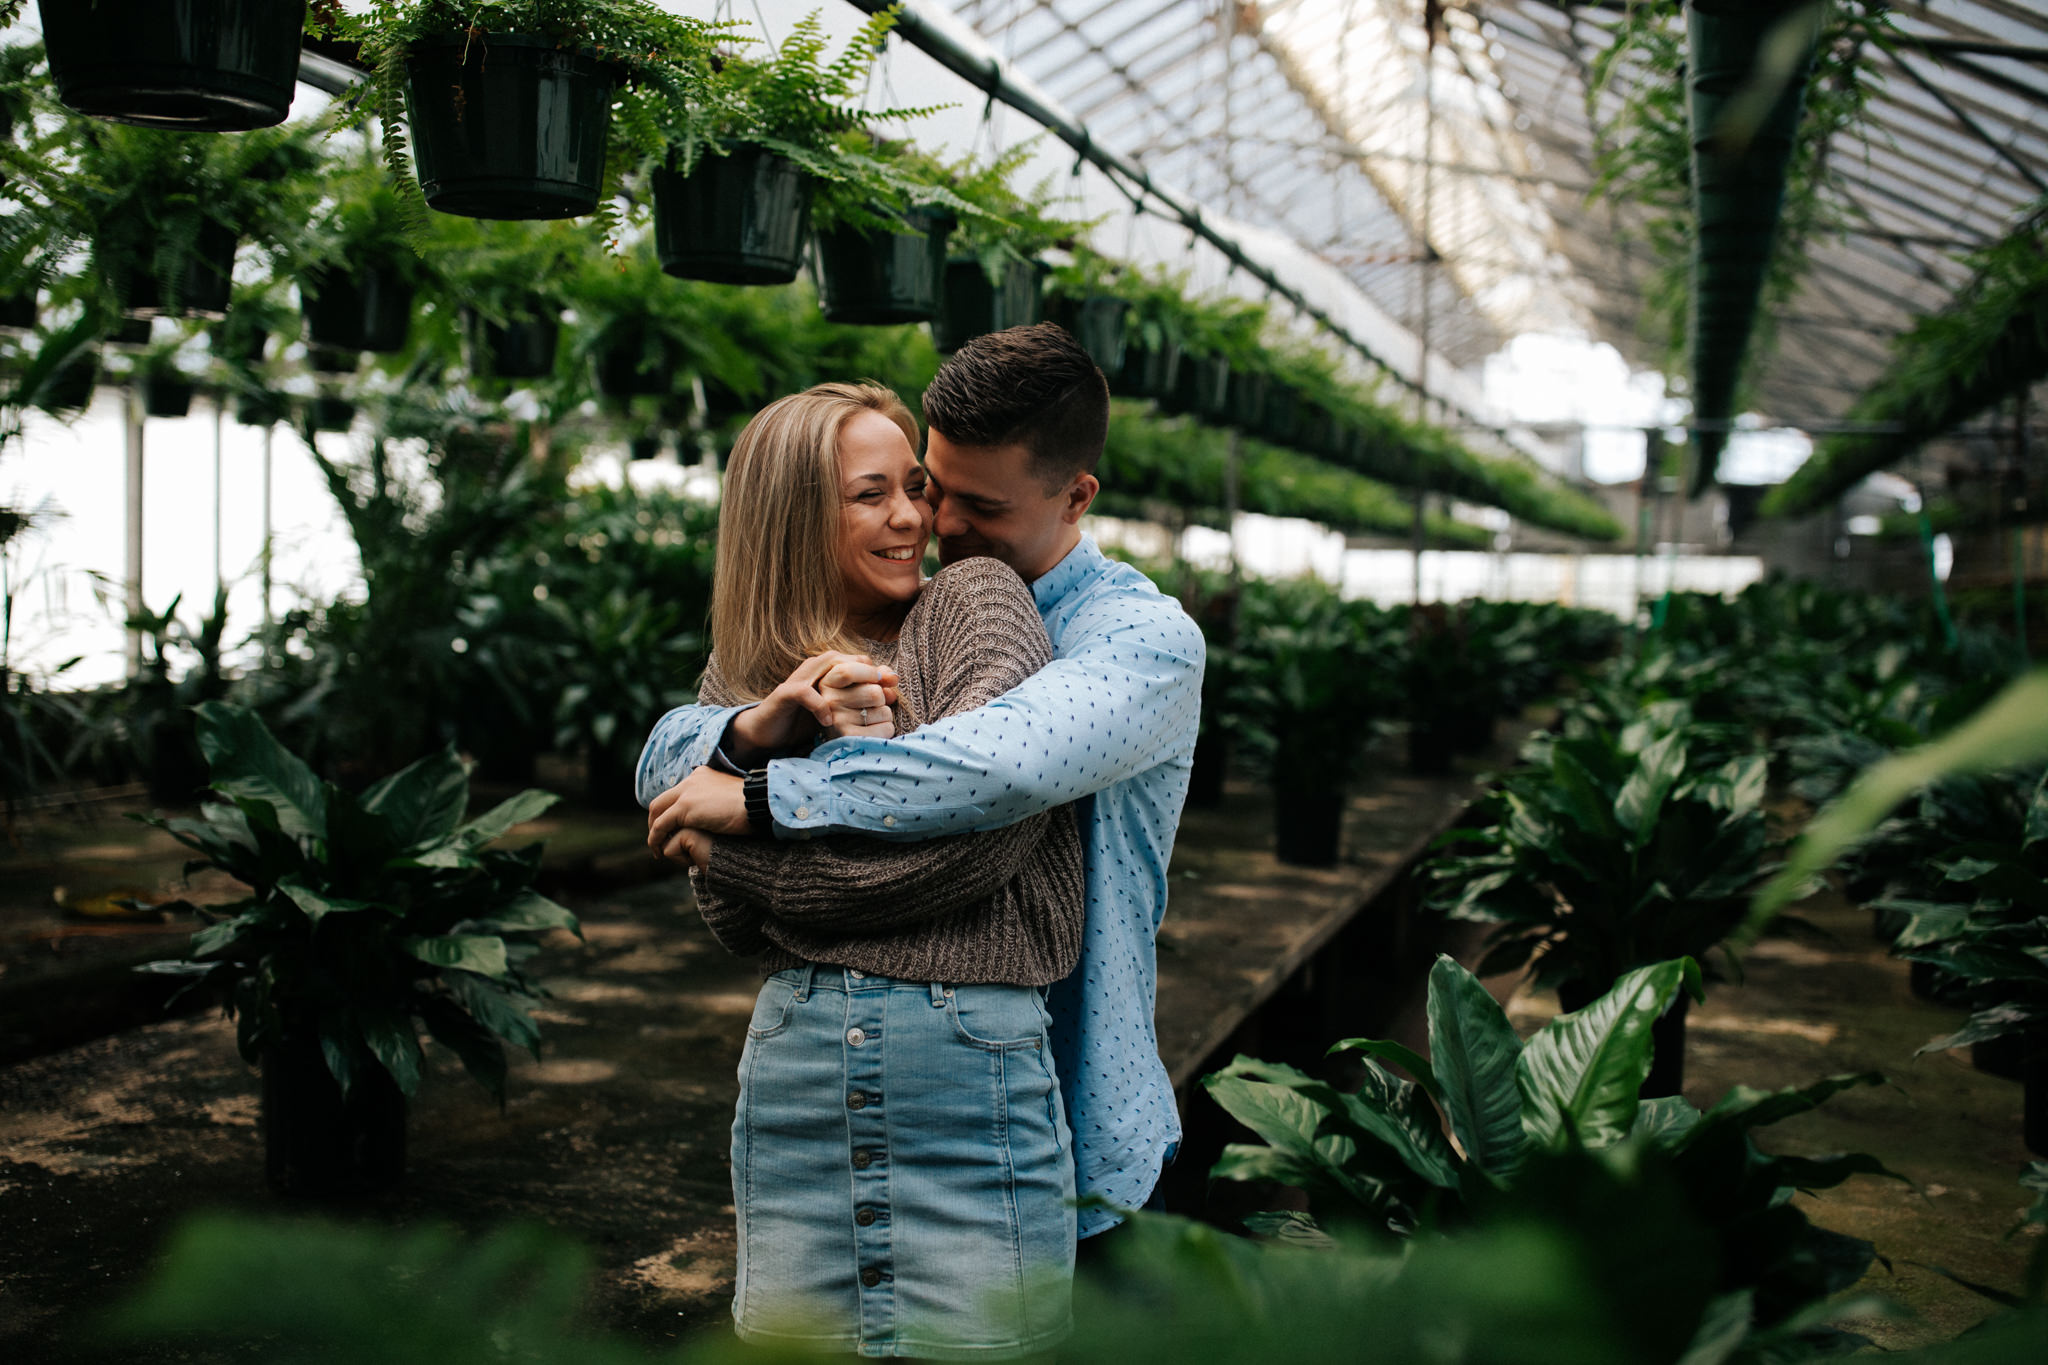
(249, 764)
(1744, 1107)
(1385, 1050)
(389, 1035)
(318, 904)
(515, 810)
(483, 1056)
(1580, 1074)
(530, 912)
(1473, 1049)
(422, 801)
(495, 1007)
(1658, 768)
(483, 954)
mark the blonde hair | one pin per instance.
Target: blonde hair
(776, 593)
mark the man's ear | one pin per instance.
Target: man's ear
(1080, 493)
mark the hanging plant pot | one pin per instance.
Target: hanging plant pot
(1147, 372)
(643, 448)
(1201, 388)
(1308, 811)
(330, 414)
(520, 349)
(167, 395)
(1281, 422)
(1667, 1037)
(370, 310)
(260, 409)
(1316, 432)
(199, 290)
(1097, 322)
(18, 312)
(742, 218)
(239, 345)
(318, 1143)
(333, 360)
(71, 387)
(507, 126)
(217, 66)
(885, 278)
(1245, 404)
(973, 305)
(130, 334)
(632, 364)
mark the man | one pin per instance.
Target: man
(1017, 422)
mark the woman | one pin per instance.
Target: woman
(902, 1171)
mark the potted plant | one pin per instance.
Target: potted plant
(189, 65)
(1311, 670)
(329, 412)
(732, 203)
(636, 328)
(995, 277)
(505, 109)
(369, 913)
(510, 280)
(167, 390)
(879, 250)
(1607, 851)
(1452, 680)
(357, 287)
(1083, 296)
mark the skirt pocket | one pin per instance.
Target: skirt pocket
(1000, 1017)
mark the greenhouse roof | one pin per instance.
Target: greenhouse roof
(1310, 117)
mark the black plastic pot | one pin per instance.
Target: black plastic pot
(507, 126)
(241, 345)
(71, 387)
(167, 395)
(884, 278)
(1308, 819)
(1281, 422)
(2004, 1056)
(1245, 404)
(200, 290)
(1201, 388)
(521, 349)
(333, 359)
(18, 312)
(130, 334)
(260, 410)
(191, 65)
(1667, 1037)
(973, 305)
(631, 365)
(330, 414)
(643, 448)
(1146, 372)
(1097, 322)
(317, 1143)
(743, 218)
(1211, 766)
(1316, 433)
(1431, 747)
(369, 310)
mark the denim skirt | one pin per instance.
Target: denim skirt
(902, 1172)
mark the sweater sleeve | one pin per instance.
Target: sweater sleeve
(974, 634)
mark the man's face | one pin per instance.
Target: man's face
(988, 500)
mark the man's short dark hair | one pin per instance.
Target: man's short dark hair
(1032, 386)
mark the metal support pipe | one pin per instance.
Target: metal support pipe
(960, 50)
(131, 595)
(219, 402)
(268, 431)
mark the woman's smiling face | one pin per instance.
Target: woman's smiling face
(884, 519)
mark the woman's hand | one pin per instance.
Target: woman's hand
(693, 844)
(821, 694)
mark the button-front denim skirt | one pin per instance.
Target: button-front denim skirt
(902, 1172)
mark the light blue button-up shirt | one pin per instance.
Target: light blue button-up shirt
(1109, 723)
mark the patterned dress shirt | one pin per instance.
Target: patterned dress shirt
(1110, 723)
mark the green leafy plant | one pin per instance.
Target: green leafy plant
(1609, 850)
(366, 910)
(1526, 1118)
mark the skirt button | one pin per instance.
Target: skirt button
(866, 1218)
(871, 1277)
(855, 1037)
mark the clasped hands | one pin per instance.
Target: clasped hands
(829, 694)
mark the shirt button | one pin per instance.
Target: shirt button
(866, 1218)
(803, 812)
(863, 1160)
(889, 820)
(856, 1101)
(871, 1277)
(855, 1037)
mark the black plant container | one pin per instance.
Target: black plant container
(885, 278)
(200, 290)
(644, 448)
(2004, 1056)
(130, 334)
(71, 387)
(1246, 401)
(333, 359)
(1201, 388)
(743, 218)
(1211, 765)
(1308, 811)
(190, 65)
(1147, 372)
(520, 349)
(167, 396)
(1097, 322)
(330, 414)
(318, 1144)
(629, 365)
(1667, 1037)
(973, 305)
(507, 126)
(18, 312)
(369, 310)
(1431, 747)
(260, 410)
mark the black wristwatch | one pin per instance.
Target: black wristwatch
(755, 792)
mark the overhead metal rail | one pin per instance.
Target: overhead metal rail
(960, 50)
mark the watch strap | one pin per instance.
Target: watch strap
(754, 790)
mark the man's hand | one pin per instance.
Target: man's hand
(706, 800)
(827, 692)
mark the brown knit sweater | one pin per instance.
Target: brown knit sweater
(1003, 905)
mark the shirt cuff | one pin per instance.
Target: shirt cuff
(799, 798)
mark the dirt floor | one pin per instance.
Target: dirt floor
(619, 1138)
